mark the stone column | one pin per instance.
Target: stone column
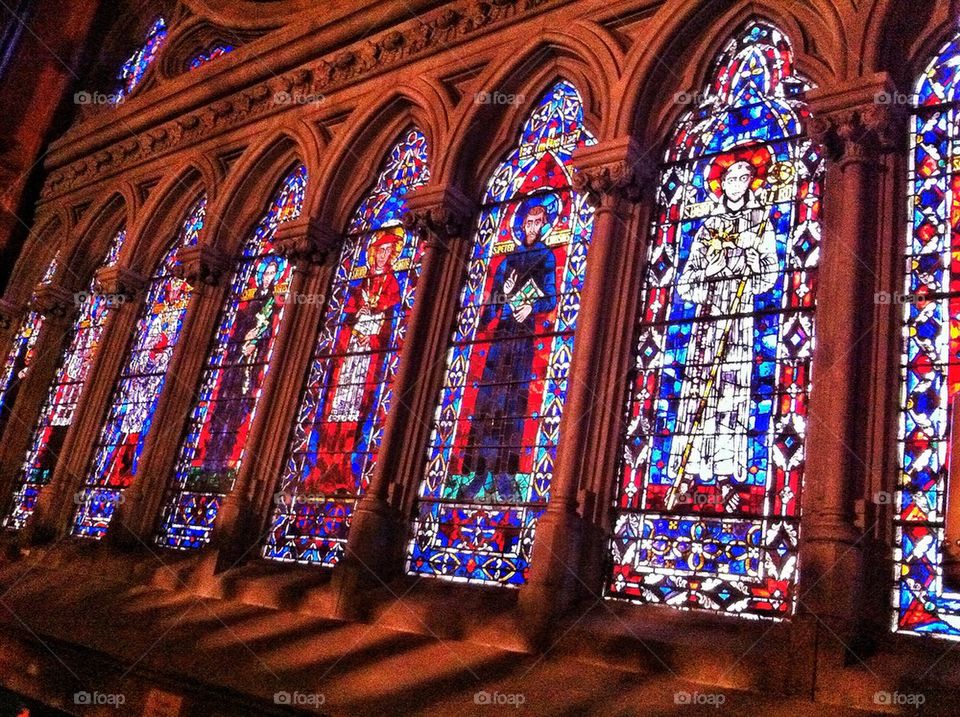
(855, 131)
(118, 285)
(10, 316)
(609, 174)
(375, 545)
(308, 244)
(203, 267)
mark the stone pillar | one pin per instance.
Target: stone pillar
(609, 174)
(308, 244)
(203, 267)
(55, 505)
(10, 316)
(855, 131)
(375, 545)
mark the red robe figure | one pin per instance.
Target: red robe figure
(362, 348)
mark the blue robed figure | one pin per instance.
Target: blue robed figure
(524, 291)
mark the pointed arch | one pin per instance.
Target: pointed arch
(671, 71)
(333, 449)
(708, 508)
(488, 129)
(41, 246)
(496, 428)
(354, 160)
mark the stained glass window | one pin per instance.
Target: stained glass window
(349, 389)
(21, 353)
(58, 409)
(135, 396)
(232, 381)
(135, 68)
(204, 56)
(495, 432)
(931, 357)
(707, 513)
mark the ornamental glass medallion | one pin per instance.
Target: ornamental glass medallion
(707, 513)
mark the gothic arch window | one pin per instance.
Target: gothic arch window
(236, 367)
(202, 57)
(707, 512)
(135, 68)
(926, 595)
(135, 396)
(21, 353)
(494, 439)
(339, 425)
(59, 408)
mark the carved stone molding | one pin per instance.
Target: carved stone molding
(859, 122)
(429, 32)
(305, 239)
(53, 301)
(119, 281)
(443, 214)
(615, 169)
(10, 314)
(201, 264)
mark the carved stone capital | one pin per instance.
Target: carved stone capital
(119, 281)
(53, 301)
(615, 169)
(10, 314)
(305, 239)
(201, 264)
(859, 122)
(443, 214)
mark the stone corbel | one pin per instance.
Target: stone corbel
(443, 214)
(10, 314)
(615, 168)
(860, 121)
(201, 264)
(305, 239)
(119, 281)
(55, 302)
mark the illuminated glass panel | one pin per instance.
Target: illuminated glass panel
(134, 69)
(496, 428)
(930, 369)
(204, 56)
(21, 354)
(708, 507)
(349, 389)
(59, 408)
(135, 396)
(232, 381)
